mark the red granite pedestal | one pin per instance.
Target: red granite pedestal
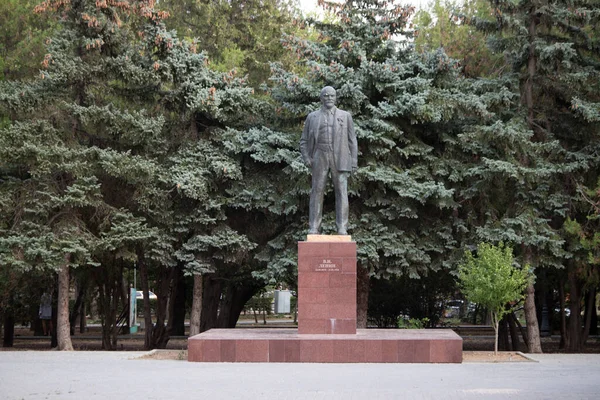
(327, 286)
(326, 322)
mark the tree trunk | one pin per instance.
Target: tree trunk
(590, 308)
(53, 335)
(234, 300)
(177, 305)
(475, 313)
(210, 303)
(148, 326)
(534, 343)
(9, 329)
(160, 336)
(172, 295)
(362, 296)
(63, 330)
(495, 325)
(503, 343)
(514, 334)
(108, 279)
(594, 316)
(124, 297)
(83, 318)
(77, 307)
(108, 314)
(574, 324)
(196, 313)
(36, 325)
(533, 332)
(521, 329)
(564, 338)
(224, 308)
(541, 304)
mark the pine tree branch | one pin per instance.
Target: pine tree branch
(577, 31)
(588, 199)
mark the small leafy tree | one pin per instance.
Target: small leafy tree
(491, 280)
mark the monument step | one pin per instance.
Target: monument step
(287, 345)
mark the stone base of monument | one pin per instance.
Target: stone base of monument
(326, 322)
(366, 346)
(327, 285)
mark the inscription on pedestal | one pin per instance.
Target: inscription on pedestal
(328, 265)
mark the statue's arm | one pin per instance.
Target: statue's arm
(304, 143)
(352, 142)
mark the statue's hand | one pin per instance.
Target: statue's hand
(308, 162)
(354, 169)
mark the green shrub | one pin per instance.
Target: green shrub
(412, 323)
(491, 280)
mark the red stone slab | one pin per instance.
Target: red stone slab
(342, 249)
(444, 355)
(313, 249)
(343, 281)
(317, 351)
(228, 350)
(292, 350)
(316, 311)
(198, 354)
(389, 351)
(212, 351)
(252, 350)
(317, 326)
(342, 311)
(315, 296)
(374, 351)
(341, 349)
(357, 352)
(287, 345)
(277, 350)
(349, 265)
(339, 296)
(305, 264)
(343, 326)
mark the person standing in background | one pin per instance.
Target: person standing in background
(45, 313)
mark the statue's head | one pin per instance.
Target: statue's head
(328, 97)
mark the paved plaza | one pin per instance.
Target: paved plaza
(112, 375)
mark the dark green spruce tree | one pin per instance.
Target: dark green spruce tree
(63, 176)
(442, 25)
(236, 34)
(553, 51)
(22, 38)
(197, 105)
(408, 110)
(114, 157)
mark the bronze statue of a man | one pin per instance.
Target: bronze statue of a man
(328, 143)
